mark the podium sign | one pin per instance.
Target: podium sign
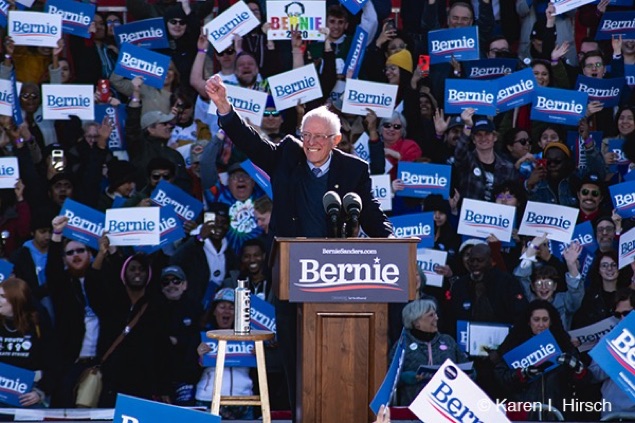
(328, 272)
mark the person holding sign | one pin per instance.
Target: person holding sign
(25, 340)
(98, 59)
(426, 349)
(528, 383)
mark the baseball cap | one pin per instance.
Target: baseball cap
(175, 271)
(155, 116)
(483, 124)
(224, 294)
(455, 121)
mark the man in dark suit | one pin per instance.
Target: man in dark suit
(301, 172)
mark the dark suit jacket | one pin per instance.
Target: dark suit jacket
(284, 163)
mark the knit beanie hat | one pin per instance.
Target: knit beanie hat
(403, 59)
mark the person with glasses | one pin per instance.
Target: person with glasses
(624, 302)
(158, 169)
(542, 282)
(605, 279)
(183, 315)
(77, 326)
(590, 197)
(555, 179)
(392, 132)
(518, 145)
(625, 125)
(607, 230)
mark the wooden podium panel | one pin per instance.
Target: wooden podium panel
(342, 354)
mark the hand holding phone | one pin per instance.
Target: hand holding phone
(424, 64)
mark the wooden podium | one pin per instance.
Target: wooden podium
(342, 341)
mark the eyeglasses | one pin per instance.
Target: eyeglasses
(32, 96)
(237, 176)
(554, 161)
(621, 314)
(157, 176)
(606, 229)
(177, 22)
(594, 193)
(306, 137)
(272, 113)
(78, 251)
(113, 22)
(608, 265)
(546, 283)
(523, 141)
(595, 65)
(395, 126)
(229, 51)
(166, 282)
(505, 197)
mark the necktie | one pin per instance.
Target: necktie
(316, 171)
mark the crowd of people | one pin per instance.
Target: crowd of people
(66, 303)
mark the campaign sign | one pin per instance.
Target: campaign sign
(356, 52)
(136, 61)
(616, 23)
(60, 101)
(515, 90)
(629, 72)
(308, 17)
(627, 248)
(6, 268)
(133, 226)
(428, 260)
(186, 206)
(623, 197)
(353, 6)
(15, 382)
(85, 224)
(17, 109)
(489, 68)
(250, 104)
(237, 354)
(589, 336)
(380, 187)
(117, 116)
(615, 146)
(364, 271)
(540, 350)
(6, 97)
(563, 6)
(615, 353)
(34, 28)
(263, 314)
(423, 179)
(362, 95)
(451, 395)
(389, 386)
(617, 2)
(148, 33)
(258, 175)
(135, 410)
(76, 16)
(606, 91)
(4, 12)
(583, 234)
(558, 222)
(420, 225)
(171, 228)
(461, 94)
(482, 219)
(460, 43)
(237, 20)
(298, 84)
(554, 105)
(9, 172)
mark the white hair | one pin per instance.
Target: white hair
(325, 115)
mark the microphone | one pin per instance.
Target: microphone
(353, 206)
(332, 205)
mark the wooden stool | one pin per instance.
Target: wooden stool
(256, 336)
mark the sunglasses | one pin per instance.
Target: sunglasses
(27, 96)
(505, 197)
(594, 193)
(392, 125)
(523, 141)
(166, 282)
(619, 315)
(596, 65)
(272, 113)
(157, 176)
(230, 51)
(75, 251)
(177, 22)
